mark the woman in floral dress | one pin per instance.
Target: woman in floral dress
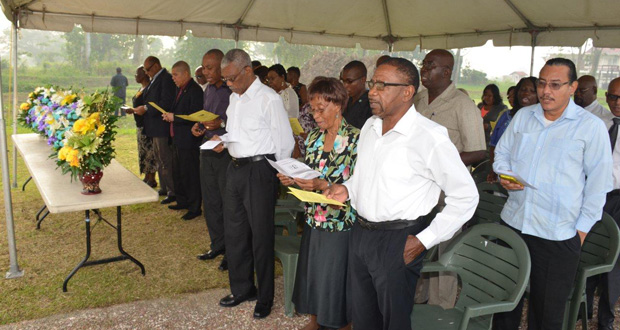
(331, 149)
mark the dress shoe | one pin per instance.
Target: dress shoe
(177, 207)
(162, 192)
(191, 215)
(210, 255)
(152, 184)
(168, 200)
(261, 311)
(232, 301)
(223, 265)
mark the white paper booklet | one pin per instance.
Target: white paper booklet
(209, 145)
(516, 177)
(295, 169)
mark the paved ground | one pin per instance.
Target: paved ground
(188, 311)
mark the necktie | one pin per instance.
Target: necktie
(613, 132)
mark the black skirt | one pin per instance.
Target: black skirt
(322, 276)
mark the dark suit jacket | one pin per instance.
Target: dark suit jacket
(188, 102)
(160, 91)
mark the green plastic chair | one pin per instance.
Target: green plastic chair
(490, 205)
(286, 214)
(481, 171)
(287, 250)
(599, 254)
(493, 279)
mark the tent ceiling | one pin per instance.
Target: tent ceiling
(374, 24)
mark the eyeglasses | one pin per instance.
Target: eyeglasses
(233, 78)
(350, 81)
(148, 69)
(541, 84)
(380, 85)
(612, 97)
(316, 112)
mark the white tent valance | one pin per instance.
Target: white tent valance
(374, 24)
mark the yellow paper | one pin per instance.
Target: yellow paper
(296, 126)
(157, 107)
(200, 116)
(312, 197)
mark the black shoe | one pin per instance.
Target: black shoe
(210, 255)
(223, 265)
(232, 301)
(168, 200)
(162, 192)
(191, 215)
(177, 207)
(261, 311)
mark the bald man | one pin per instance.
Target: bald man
(444, 104)
(185, 164)
(585, 97)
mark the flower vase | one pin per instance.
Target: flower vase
(90, 181)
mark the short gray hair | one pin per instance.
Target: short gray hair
(182, 65)
(237, 56)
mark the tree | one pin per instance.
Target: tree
(473, 76)
(191, 49)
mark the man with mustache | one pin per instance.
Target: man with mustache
(563, 151)
(444, 104)
(404, 162)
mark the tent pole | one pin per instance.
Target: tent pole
(534, 35)
(14, 270)
(14, 50)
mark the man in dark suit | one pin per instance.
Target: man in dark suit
(186, 160)
(161, 92)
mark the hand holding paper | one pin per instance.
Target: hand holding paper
(294, 168)
(157, 107)
(199, 116)
(514, 178)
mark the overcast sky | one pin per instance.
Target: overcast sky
(494, 61)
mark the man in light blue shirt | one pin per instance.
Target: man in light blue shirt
(564, 152)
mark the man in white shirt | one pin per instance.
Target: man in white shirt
(258, 128)
(404, 161)
(585, 97)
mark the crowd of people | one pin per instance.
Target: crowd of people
(399, 157)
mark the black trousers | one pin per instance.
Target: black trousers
(249, 206)
(213, 167)
(382, 287)
(609, 282)
(554, 267)
(186, 177)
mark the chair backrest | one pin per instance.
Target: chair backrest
(599, 251)
(491, 203)
(480, 172)
(491, 270)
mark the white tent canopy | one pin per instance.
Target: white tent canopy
(374, 24)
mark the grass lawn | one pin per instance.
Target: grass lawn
(155, 235)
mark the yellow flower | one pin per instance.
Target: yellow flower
(68, 99)
(79, 125)
(94, 116)
(63, 152)
(100, 130)
(73, 158)
(24, 106)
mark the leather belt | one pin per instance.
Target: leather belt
(238, 162)
(387, 225)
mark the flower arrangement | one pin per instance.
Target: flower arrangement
(80, 128)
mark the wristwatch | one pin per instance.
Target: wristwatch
(222, 124)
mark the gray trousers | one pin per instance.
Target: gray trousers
(164, 154)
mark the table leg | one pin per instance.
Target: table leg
(81, 264)
(25, 183)
(120, 241)
(39, 220)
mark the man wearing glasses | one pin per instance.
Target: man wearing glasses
(404, 162)
(258, 129)
(585, 97)
(442, 103)
(565, 153)
(160, 91)
(354, 79)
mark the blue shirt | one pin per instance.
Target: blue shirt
(570, 164)
(216, 100)
(500, 128)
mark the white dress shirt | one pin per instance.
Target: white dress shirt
(615, 156)
(399, 175)
(598, 110)
(258, 124)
